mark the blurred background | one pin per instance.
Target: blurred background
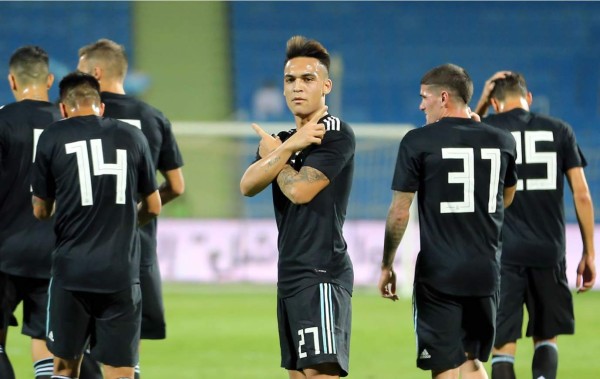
(215, 67)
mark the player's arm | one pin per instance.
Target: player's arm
(149, 208)
(395, 226)
(509, 195)
(275, 155)
(300, 187)
(42, 208)
(584, 208)
(173, 186)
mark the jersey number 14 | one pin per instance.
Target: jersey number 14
(119, 169)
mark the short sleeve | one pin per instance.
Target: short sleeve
(42, 178)
(511, 176)
(572, 154)
(170, 156)
(146, 171)
(336, 149)
(408, 166)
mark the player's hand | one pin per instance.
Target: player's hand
(387, 284)
(267, 143)
(489, 84)
(586, 273)
(474, 116)
(310, 133)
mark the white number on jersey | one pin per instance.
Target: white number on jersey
(315, 332)
(534, 156)
(467, 178)
(130, 121)
(119, 169)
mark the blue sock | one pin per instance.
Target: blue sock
(545, 360)
(503, 367)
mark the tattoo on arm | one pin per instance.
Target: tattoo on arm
(288, 177)
(395, 226)
(271, 162)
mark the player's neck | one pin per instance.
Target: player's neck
(112, 87)
(458, 111)
(32, 93)
(514, 103)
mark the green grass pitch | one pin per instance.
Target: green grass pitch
(229, 332)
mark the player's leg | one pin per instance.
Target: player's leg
(111, 372)
(153, 311)
(479, 327)
(89, 369)
(295, 374)
(473, 369)
(438, 328)
(117, 331)
(33, 292)
(509, 321)
(68, 329)
(315, 331)
(6, 319)
(550, 314)
(6, 370)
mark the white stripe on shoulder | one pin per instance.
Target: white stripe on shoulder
(1, 106)
(332, 123)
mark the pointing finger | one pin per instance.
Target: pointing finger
(319, 114)
(261, 133)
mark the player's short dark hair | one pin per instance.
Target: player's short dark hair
(29, 64)
(78, 87)
(512, 84)
(111, 53)
(452, 78)
(300, 46)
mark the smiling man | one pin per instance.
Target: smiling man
(310, 169)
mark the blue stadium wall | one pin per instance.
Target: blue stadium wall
(386, 47)
(61, 29)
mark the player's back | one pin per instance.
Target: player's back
(25, 242)
(535, 222)
(163, 148)
(98, 166)
(458, 168)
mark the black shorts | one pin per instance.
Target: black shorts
(108, 322)
(545, 292)
(448, 327)
(33, 292)
(314, 327)
(153, 310)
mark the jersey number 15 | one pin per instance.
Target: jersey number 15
(119, 169)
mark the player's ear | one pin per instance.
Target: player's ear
(444, 96)
(495, 104)
(12, 82)
(529, 98)
(327, 86)
(50, 80)
(101, 109)
(97, 73)
(63, 110)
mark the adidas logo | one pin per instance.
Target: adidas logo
(51, 336)
(424, 354)
(541, 377)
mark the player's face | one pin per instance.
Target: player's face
(431, 103)
(305, 84)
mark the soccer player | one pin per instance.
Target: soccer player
(310, 170)
(93, 170)
(533, 267)
(106, 61)
(25, 242)
(465, 174)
